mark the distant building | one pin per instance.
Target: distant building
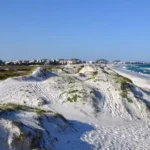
(62, 61)
(90, 62)
(32, 62)
(74, 61)
(102, 61)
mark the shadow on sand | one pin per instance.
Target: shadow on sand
(70, 134)
(139, 95)
(75, 140)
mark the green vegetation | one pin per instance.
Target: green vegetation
(101, 67)
(125, 95)
(73, 91)
(74, 98)
(16, 107)
(126, 80)
(73, 95)
(125, 84)
(129, 100)
(40, 111)
(15, 71)
(122, 78)
(103, 70)
(90, 78)
(100, 80)
(95, 73)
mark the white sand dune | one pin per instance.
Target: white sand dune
(83, 108)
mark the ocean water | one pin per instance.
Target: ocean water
(141, 69)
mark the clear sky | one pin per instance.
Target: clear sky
(86, 29)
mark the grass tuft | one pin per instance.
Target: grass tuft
(74, 98)
(73, 91)
(95, 73)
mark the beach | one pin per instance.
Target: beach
(141, 81)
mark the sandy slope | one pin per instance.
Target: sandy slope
(139, 81)
(81, 108)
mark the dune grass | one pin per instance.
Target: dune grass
(73, 91)
(95, 73)
(11, 107)
(125, 85)
(15, 71)
(122, 79)
(74, 98)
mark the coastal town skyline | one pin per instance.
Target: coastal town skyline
(67, 61)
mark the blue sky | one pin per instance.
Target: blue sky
(86, 29)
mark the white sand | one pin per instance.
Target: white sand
(99, 119)
(137, 80)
